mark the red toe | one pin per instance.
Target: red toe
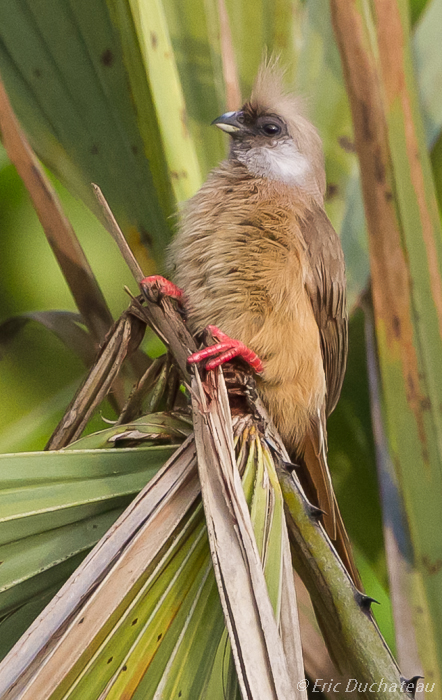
(226, 350)
(164, 286)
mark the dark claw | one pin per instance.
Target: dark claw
(152, 294)
(409, 685)
(364, 601)
(290, 466)
(315, 512)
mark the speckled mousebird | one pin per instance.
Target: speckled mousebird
(258, 259)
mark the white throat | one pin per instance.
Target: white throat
(281, 162)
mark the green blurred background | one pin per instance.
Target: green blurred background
(39, 374)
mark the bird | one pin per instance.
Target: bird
(258, 262)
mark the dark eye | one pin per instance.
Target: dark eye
(271, 129)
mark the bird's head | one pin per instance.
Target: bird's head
(272, 138)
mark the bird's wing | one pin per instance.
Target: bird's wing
(325, 285)
(326, 288)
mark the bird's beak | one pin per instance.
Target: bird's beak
(229, 122)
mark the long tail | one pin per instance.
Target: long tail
(316, 481)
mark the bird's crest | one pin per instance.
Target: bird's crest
(269, 96)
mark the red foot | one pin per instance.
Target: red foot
(229, 348)
(163, 286)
